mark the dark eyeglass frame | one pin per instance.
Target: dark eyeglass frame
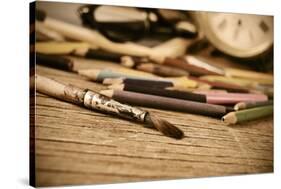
(131, 31)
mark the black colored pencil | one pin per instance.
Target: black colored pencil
(54, 61)
(161, 92)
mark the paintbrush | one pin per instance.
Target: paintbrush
(101, 103)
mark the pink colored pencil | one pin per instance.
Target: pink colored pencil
(213, 91)
(233, 98)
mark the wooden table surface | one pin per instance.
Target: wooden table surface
(74, 145)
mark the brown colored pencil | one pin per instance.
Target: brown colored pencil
(220, 85)
(194, 65)
(167, 103)
(161, 70)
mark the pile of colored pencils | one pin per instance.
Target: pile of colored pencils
(151, 77)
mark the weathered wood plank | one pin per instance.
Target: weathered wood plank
(74, 145)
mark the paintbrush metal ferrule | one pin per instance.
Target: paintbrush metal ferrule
(103, 103)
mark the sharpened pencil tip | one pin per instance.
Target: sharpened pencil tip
(108, 93)
(89, 73)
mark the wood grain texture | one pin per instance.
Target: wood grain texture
(74, 145)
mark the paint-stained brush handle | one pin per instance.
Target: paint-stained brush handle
(87, 98)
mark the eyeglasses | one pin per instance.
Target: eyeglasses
(130, 24)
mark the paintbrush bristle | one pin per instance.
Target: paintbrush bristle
(164, 126)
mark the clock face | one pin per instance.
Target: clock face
(241, 35)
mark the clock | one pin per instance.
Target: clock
(238, 35)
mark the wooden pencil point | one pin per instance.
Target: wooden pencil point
(239, 106)
(117, 86)
(108, 93)
(127, 61)
(89, 73)
(112, 81)
(229, 118)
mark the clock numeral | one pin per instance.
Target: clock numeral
(264, 27)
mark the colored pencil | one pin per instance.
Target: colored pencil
(161, 70)
(101, 74)
(181, 82)
(233, 98)
(61, 48)
(248, 114)
(172, 48)
(251, 75)
(194, 65)
(41, 29)
(160, 92)
(237, 81)
(209, 91)
(222, 85)
(103, 104)
(55, 61)
(90, 36)
(247, 105)
(85, 50)
(133, 61)
(167, 103)
(207, 97)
